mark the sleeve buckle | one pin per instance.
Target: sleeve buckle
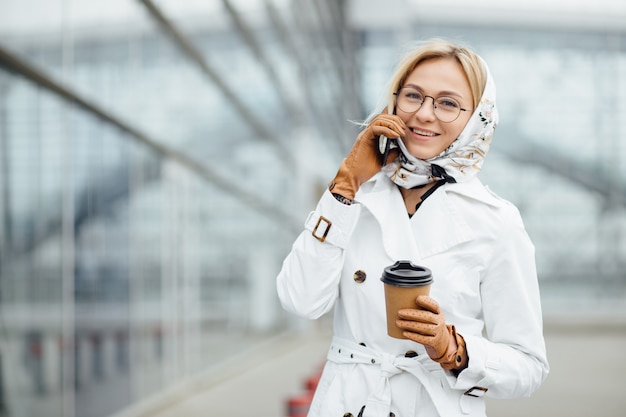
(322, 236)
(475, 392)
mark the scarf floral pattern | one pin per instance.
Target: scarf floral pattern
(462, 160)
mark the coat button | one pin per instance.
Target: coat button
(410, 354)
(359, 276)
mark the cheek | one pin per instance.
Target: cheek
(447, 140)
(403, 116)
(451, 137)
(455, 130)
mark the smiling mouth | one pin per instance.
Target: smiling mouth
(424, 132)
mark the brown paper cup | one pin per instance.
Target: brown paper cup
(403, 281)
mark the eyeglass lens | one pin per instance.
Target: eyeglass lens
(410, 100)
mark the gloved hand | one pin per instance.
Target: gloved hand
(428, 327)
(364, 160)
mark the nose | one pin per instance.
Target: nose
(427, 111)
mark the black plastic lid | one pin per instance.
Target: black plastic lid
(406, 274)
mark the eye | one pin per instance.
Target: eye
(447, 103)
(413, 95)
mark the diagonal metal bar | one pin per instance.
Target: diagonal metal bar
(331, 40)
(589, 176)
(336, 11)
(320, 50)
(330, 17)
(304, 61)
(286, 38)
(294, 110)
(283, 32)
(194, 55)
(14, 64)
(338, 44)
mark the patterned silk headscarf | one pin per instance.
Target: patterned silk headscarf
(462, 160)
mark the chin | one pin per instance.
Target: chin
(423, 155)
(424, 152)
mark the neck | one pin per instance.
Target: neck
(413, 196)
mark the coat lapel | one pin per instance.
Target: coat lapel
(383, 199)
(438, 225)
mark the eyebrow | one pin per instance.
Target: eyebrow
(441, 93)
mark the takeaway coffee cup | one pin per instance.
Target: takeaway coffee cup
(403, 281)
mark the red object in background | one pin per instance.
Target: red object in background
(312, 381)
(298, 405)
(36, 349)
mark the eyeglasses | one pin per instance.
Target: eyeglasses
(446, 109)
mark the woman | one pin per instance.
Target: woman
(480, 330)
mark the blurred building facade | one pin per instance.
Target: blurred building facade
(157, 160)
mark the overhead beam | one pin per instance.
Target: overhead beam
(587, 175)
(12, 63)
(293, 109)
(305, 62)
(335, 123)
(195, 56)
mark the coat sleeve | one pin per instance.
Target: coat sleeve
(510, 359)
(308, 283)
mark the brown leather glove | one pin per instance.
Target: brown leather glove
(427, 326)
(364, 160)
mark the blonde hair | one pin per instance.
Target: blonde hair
(471, 63)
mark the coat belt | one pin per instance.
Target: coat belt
(378, 404)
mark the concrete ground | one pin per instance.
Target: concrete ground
(587, 378)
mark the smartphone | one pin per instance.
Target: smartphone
(384, 145)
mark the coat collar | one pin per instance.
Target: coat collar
(441, 218)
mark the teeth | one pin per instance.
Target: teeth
(423, 133)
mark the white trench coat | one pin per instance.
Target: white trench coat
(484, 280)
